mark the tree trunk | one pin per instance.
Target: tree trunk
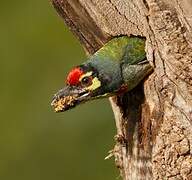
(154, 121)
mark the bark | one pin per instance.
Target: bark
(154, 121)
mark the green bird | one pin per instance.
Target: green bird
(118, 67)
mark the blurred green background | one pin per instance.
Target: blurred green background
(36, 52)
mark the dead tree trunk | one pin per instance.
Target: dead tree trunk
(154, 121)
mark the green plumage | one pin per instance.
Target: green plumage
(124, 59)
(128, 49)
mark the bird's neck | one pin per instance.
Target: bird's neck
(121, 59)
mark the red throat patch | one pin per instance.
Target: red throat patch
(73, 76)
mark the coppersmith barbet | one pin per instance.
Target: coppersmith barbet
(117, 67)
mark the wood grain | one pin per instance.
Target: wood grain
(153, 121)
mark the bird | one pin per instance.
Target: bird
(117, 67)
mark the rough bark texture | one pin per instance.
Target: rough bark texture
(154, 121)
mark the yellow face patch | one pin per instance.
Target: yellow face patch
(95, 84)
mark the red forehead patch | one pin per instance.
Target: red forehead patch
(74, 75)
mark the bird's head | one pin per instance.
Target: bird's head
(92, 80)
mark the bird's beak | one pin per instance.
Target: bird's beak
(69, 97)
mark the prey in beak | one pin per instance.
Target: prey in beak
(69, 97)
(84, 83)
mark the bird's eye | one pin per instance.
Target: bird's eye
(86, 81)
